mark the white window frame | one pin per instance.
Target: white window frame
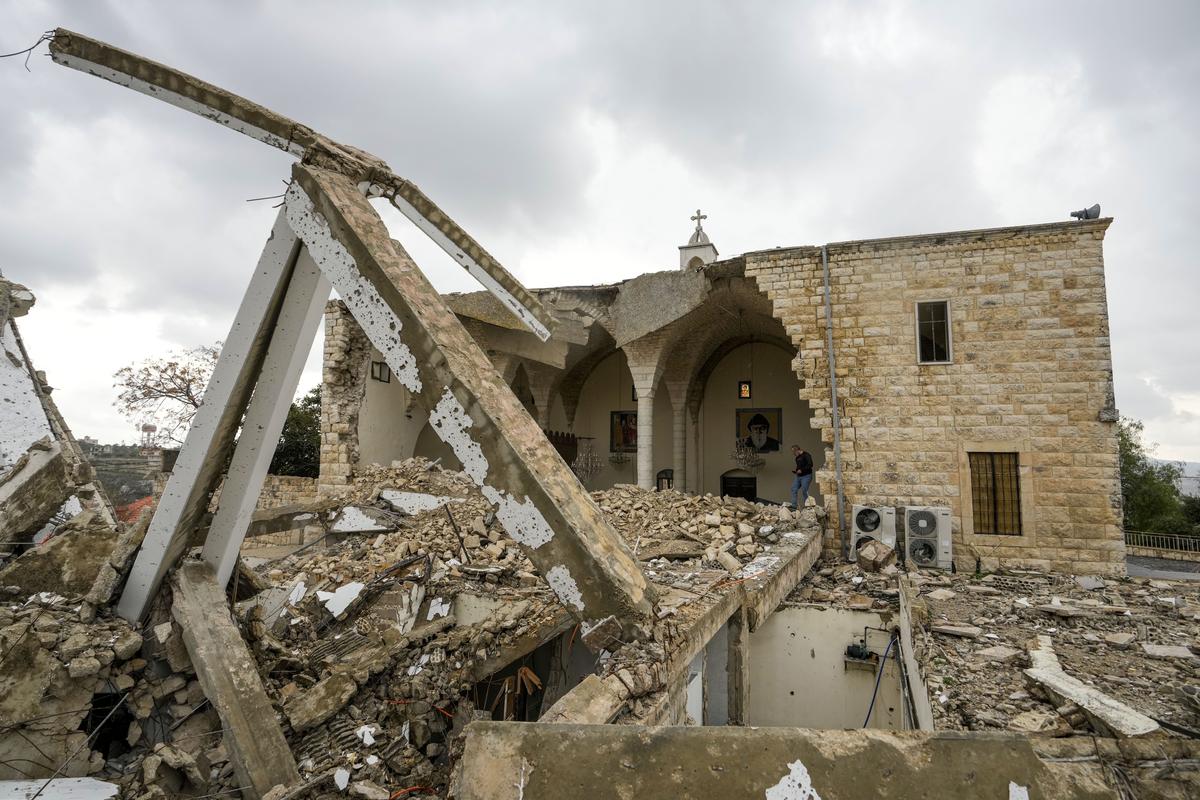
(949, 329)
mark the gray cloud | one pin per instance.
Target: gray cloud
(790, 123)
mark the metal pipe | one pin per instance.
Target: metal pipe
(833, 404)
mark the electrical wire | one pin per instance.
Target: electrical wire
(878, 678)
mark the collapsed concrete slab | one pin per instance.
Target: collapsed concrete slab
(33, 489)
(68, 563)
(531, 761)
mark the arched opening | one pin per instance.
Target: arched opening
(520, 387)
(751, 395)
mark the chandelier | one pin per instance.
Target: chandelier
(745, 455)
(586, 464)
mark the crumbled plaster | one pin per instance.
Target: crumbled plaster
(521, 519)
(564, 586)
(796, 785)
(414, 502)
(339, 600)
(22, 418)
(364, 302)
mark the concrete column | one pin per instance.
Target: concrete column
(679, 433)
(645, 438)
(737, 667)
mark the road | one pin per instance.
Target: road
(1167, 569)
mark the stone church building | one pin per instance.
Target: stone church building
(972, 371)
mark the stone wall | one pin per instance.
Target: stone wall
(287, 490)
(345, 368)
(1031, 373)
(278, 490)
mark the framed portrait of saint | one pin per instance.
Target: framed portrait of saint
(760, 428)
(622, 432)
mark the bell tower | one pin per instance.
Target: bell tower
(699, 250)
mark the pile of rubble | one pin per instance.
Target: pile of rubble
(404, 613)
(1133, 639)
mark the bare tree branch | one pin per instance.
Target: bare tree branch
(166, 391)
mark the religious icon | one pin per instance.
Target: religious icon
(743, 390)
(760, 428)
(622, 434)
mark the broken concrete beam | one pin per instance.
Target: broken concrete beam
(594, 701)
(68, 563)
(237, 113)
(1106, 714)
(537, 499)
(36, 486)
(229, 676)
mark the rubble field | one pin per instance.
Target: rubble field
(406, 614)
(1134, 639)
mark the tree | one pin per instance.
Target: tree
(1149, 489)
(166, 391)
(299, 449)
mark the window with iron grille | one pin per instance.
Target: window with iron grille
(996, 493)
(933, 332)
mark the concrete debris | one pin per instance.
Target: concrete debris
(69, 562)
(1168, 651)
(875, 555)
(965, 631)
(1106, 714)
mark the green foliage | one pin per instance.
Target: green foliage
(1150, 490)
(299, 449)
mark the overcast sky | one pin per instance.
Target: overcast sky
(574, 141)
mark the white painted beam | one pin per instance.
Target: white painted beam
(476, 270)
(215, 424)
(294, 333)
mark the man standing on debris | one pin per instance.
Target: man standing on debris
(803, 473)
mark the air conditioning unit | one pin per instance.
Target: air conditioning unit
(927, 537)
(872, 522)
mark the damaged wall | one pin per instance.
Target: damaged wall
(1031, 373)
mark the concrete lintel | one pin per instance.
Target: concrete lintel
(212, 432)
(539, 501)
(229, 676)
(533, 760)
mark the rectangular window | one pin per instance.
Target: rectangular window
(996, 493)
(933, 332)
(381, 372)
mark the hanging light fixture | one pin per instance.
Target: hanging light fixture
(587, 464)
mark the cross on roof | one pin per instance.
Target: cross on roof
(698, 218)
